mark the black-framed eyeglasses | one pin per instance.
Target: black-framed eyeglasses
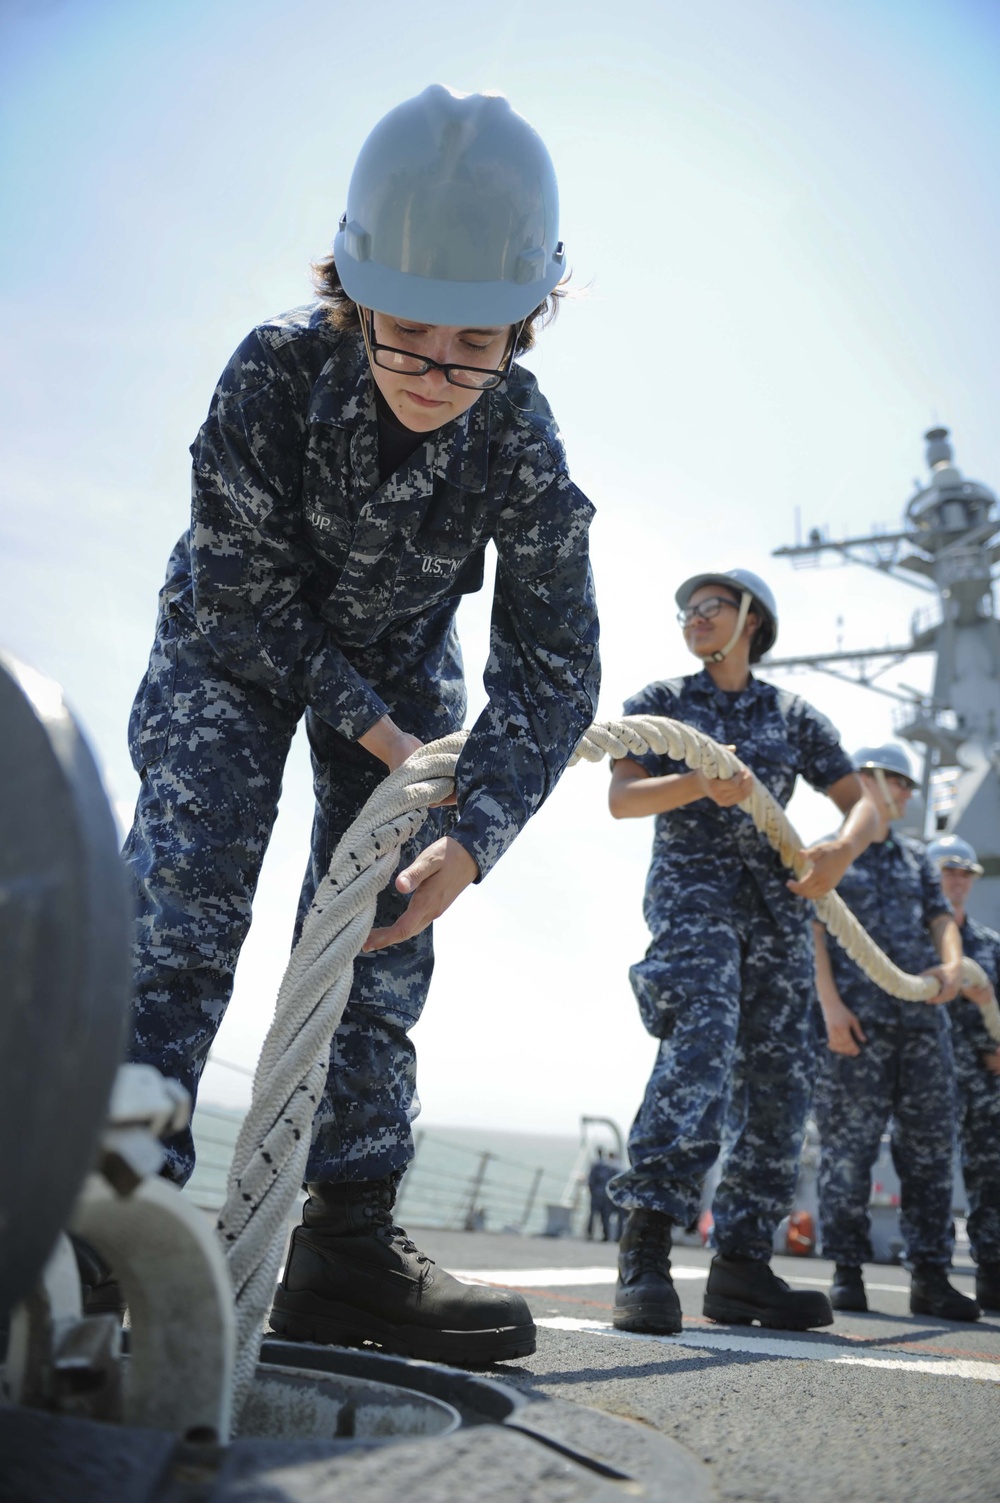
(406, 363)
(706, 609)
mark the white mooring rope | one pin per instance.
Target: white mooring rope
(270, 1156)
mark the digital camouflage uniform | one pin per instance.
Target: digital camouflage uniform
(307, 586)
(727, 982)
(978, 1100)
(904, 1070)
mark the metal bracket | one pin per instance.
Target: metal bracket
(163, 1252)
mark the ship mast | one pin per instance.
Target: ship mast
(948, 545)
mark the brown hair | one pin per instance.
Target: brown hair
(342, 311)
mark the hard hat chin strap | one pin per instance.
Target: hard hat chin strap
(746, 600)
(364, 315)
(892, 809)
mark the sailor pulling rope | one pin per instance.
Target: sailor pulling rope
(270, 1156)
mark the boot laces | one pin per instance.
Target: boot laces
(384, 1227)
(651, 1249)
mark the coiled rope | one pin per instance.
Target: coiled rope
(269, 1160)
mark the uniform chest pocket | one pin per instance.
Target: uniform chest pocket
(864, 894)
(329, 532)
(774, 761)
(436, 570)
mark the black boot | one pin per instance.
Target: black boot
(931, 1294)
(352, 1276)
(988, 1286)
(742, 1290)
(645, 1297)
(847, 1291)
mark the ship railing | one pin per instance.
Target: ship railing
(448, 1185)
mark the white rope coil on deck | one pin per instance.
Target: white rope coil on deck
(273, 1145)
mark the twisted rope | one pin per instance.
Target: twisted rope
(640, 733)
(269, 1160)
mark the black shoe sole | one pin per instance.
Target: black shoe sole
(306, 1317)
(648, 1321)
(733, 1312)
(920, 1306)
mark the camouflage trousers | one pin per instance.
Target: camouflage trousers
(731, 1000)
(979, 1141)
(210, 749)
(905, 1073)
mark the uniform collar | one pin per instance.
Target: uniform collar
(703, 684)
(344, 396)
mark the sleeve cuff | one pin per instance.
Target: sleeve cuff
(353, 711)
(485, 830)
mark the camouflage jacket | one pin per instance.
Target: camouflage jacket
(983, 945)
(712, 854)
(895, 892)
(328, 588)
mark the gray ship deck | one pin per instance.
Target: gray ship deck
(884, 1407)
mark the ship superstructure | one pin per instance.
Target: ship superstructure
(948, 546)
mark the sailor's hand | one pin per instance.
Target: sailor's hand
(386, 741)
(392, 746)
(991, 1062)
(949, 975)
(844, 1032)
(828, 861)
(435, 880)
(981, 995)
(727, 791)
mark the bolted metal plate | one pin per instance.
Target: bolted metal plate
(64, 972)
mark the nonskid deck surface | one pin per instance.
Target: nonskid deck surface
(884, 1406)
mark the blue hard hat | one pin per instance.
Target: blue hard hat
(743, 582)
(951, 851)
(452, 214)
(890, 758)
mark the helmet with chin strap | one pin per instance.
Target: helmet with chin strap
(878, 760)
(889, 758)
(452, 214)
(952, 853)
(754, 595)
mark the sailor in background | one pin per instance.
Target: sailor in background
(977, 1069)
(597, 1188)
(726, 984)
(358, 457)
(887, 1058)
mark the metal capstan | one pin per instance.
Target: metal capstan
(948, 546)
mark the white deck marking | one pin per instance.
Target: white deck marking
(553, 1278)
(798, 1351)
(825, 1284)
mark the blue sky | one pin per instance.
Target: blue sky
(783, 221)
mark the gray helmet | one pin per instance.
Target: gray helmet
(452, 214)
(888, 758)
(744, 583)
(951, 851)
